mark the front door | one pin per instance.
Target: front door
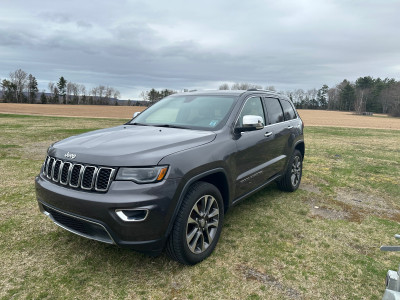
(253, 158)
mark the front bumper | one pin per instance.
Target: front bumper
(93, 215)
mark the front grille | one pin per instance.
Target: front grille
(102, 179)
(79, 226)
(90, 178)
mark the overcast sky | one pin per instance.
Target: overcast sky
(137, 45)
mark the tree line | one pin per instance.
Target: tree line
(23, 88)
(365, 95)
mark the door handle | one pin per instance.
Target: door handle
(290, 127)
(268, 134)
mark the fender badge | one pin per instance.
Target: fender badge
(70, 155)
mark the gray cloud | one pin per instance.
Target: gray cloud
(135, 45)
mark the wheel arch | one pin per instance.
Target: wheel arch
(216, 177)
(301, 147)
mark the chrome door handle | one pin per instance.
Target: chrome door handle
(290, 127)
(268, 134)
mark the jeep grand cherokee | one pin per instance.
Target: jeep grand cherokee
(166, 178)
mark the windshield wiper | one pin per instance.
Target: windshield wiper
(139, 124)
(170, 126)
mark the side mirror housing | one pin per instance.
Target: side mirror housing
(250, 123)
(135, 114)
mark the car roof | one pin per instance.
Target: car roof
(231, 92)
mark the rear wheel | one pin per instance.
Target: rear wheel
(292, 177)
(198, 224)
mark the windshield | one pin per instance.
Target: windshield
(194, 112)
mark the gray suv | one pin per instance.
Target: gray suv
(166, 178)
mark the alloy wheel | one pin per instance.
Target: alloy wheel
(202, 224)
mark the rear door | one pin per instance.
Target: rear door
(276, 125)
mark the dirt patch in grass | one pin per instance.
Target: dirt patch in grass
(328, 213)
(252, 274)
(359, 205)
(309, 188)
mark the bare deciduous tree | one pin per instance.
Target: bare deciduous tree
(19, 78)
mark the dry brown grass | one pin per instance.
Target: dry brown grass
(310, 117)
(347, 119)
(92, 111)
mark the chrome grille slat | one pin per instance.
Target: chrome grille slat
(65, 173)
(78, 176)
(45, 165)
(50, 168)
(88, 177)
(103, 179)
(56, 170)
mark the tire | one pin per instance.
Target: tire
(198, 224)
(292, 176)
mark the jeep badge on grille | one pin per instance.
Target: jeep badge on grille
(70, 155)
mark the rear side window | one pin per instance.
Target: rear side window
(274, 110)
(288, 110)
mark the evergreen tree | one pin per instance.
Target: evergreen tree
(62, 85)
(322, 97)
(347, 97)
(43, 98)
(32, 88)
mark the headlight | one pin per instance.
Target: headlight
(142, 175)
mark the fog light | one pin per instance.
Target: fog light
(132, 215)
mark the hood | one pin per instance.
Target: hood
(128, 145)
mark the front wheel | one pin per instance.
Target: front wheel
(292, 177)
(198, 224)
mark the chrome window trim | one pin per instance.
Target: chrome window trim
(244, 104)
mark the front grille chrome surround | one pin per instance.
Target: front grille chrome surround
(78, 176)
(56, 170)
(88, 177)
(102, 183)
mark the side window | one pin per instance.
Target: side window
(253, 106)
(274, 110)
(288, 110)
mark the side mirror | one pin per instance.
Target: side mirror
(136, 113)
(250, 123)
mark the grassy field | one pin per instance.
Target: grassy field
(321, 242)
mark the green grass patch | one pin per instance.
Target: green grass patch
(321, 242)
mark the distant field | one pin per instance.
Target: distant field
(321, 242)
(310, 117)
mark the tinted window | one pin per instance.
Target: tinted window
(253, 106)
(288, 110)
(274, 110)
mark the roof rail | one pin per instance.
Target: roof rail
(260, 90)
